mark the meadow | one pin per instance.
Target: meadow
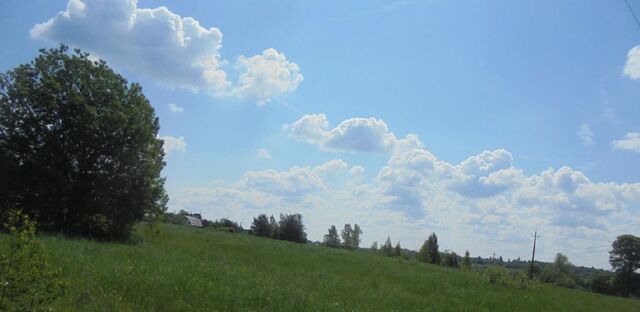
(190, 269)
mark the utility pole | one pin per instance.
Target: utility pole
(533, 256)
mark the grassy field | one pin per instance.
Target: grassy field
(188, 269)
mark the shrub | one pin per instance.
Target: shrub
(501, 277)
(27, 283)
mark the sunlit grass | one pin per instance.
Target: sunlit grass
(188, 269)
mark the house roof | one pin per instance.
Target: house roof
(193, 221)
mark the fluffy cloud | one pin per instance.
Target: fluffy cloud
(173, 144)
(586, 135)
(294, 183)
(631, 142)
(266, 76)
(632, 67)
(174, 108)
(176, 51)
(353, 134)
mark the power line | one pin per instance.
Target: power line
(632, 13)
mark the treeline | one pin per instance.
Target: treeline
(289, 227)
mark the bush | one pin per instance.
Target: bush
(501, 277)
(27, 283)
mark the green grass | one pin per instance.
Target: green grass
(188, 269)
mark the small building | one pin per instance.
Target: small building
(193, 221)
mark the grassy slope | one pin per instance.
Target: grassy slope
(186, 269)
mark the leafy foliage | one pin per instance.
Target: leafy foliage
(27, 283)
(501, 277)
(78, 146)
(429, 251)
(625, 260)
(261, 226)
(291, 228)
(331, 239)
(450, 259)
(351, 236)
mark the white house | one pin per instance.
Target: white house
(193, 221)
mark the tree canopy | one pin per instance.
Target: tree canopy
(332, 239)
(429, 251)
(625, 260)
(79, 147)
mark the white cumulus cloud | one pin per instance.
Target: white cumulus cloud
(173, 144)
(174, 50)
(631, 142)
(353, 134)
(632, 67)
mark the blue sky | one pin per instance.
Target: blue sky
(480, 120)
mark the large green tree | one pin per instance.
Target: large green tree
(79, 147)
(625, 260)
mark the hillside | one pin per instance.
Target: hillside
(188, 269)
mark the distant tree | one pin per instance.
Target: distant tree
(355, 236)
(429, 251)
(331, 239)
(561, 264)
(625, 260)
(397, 251)
(347, 236)
(466, 261)
(273, 224)
(387, 248)
(229, 224)
(602, 283)
(261, 226)
(450, 259)
(374, 246)
(559, 273)
(291, 228)
(79, 147)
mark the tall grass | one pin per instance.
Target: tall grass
(188, 269)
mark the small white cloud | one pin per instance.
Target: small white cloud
(631, 142)
(353, 134)
(173, 50)
(632, 67)
(174, 108)
(263, 153)
(586, 135)
(173, 144)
